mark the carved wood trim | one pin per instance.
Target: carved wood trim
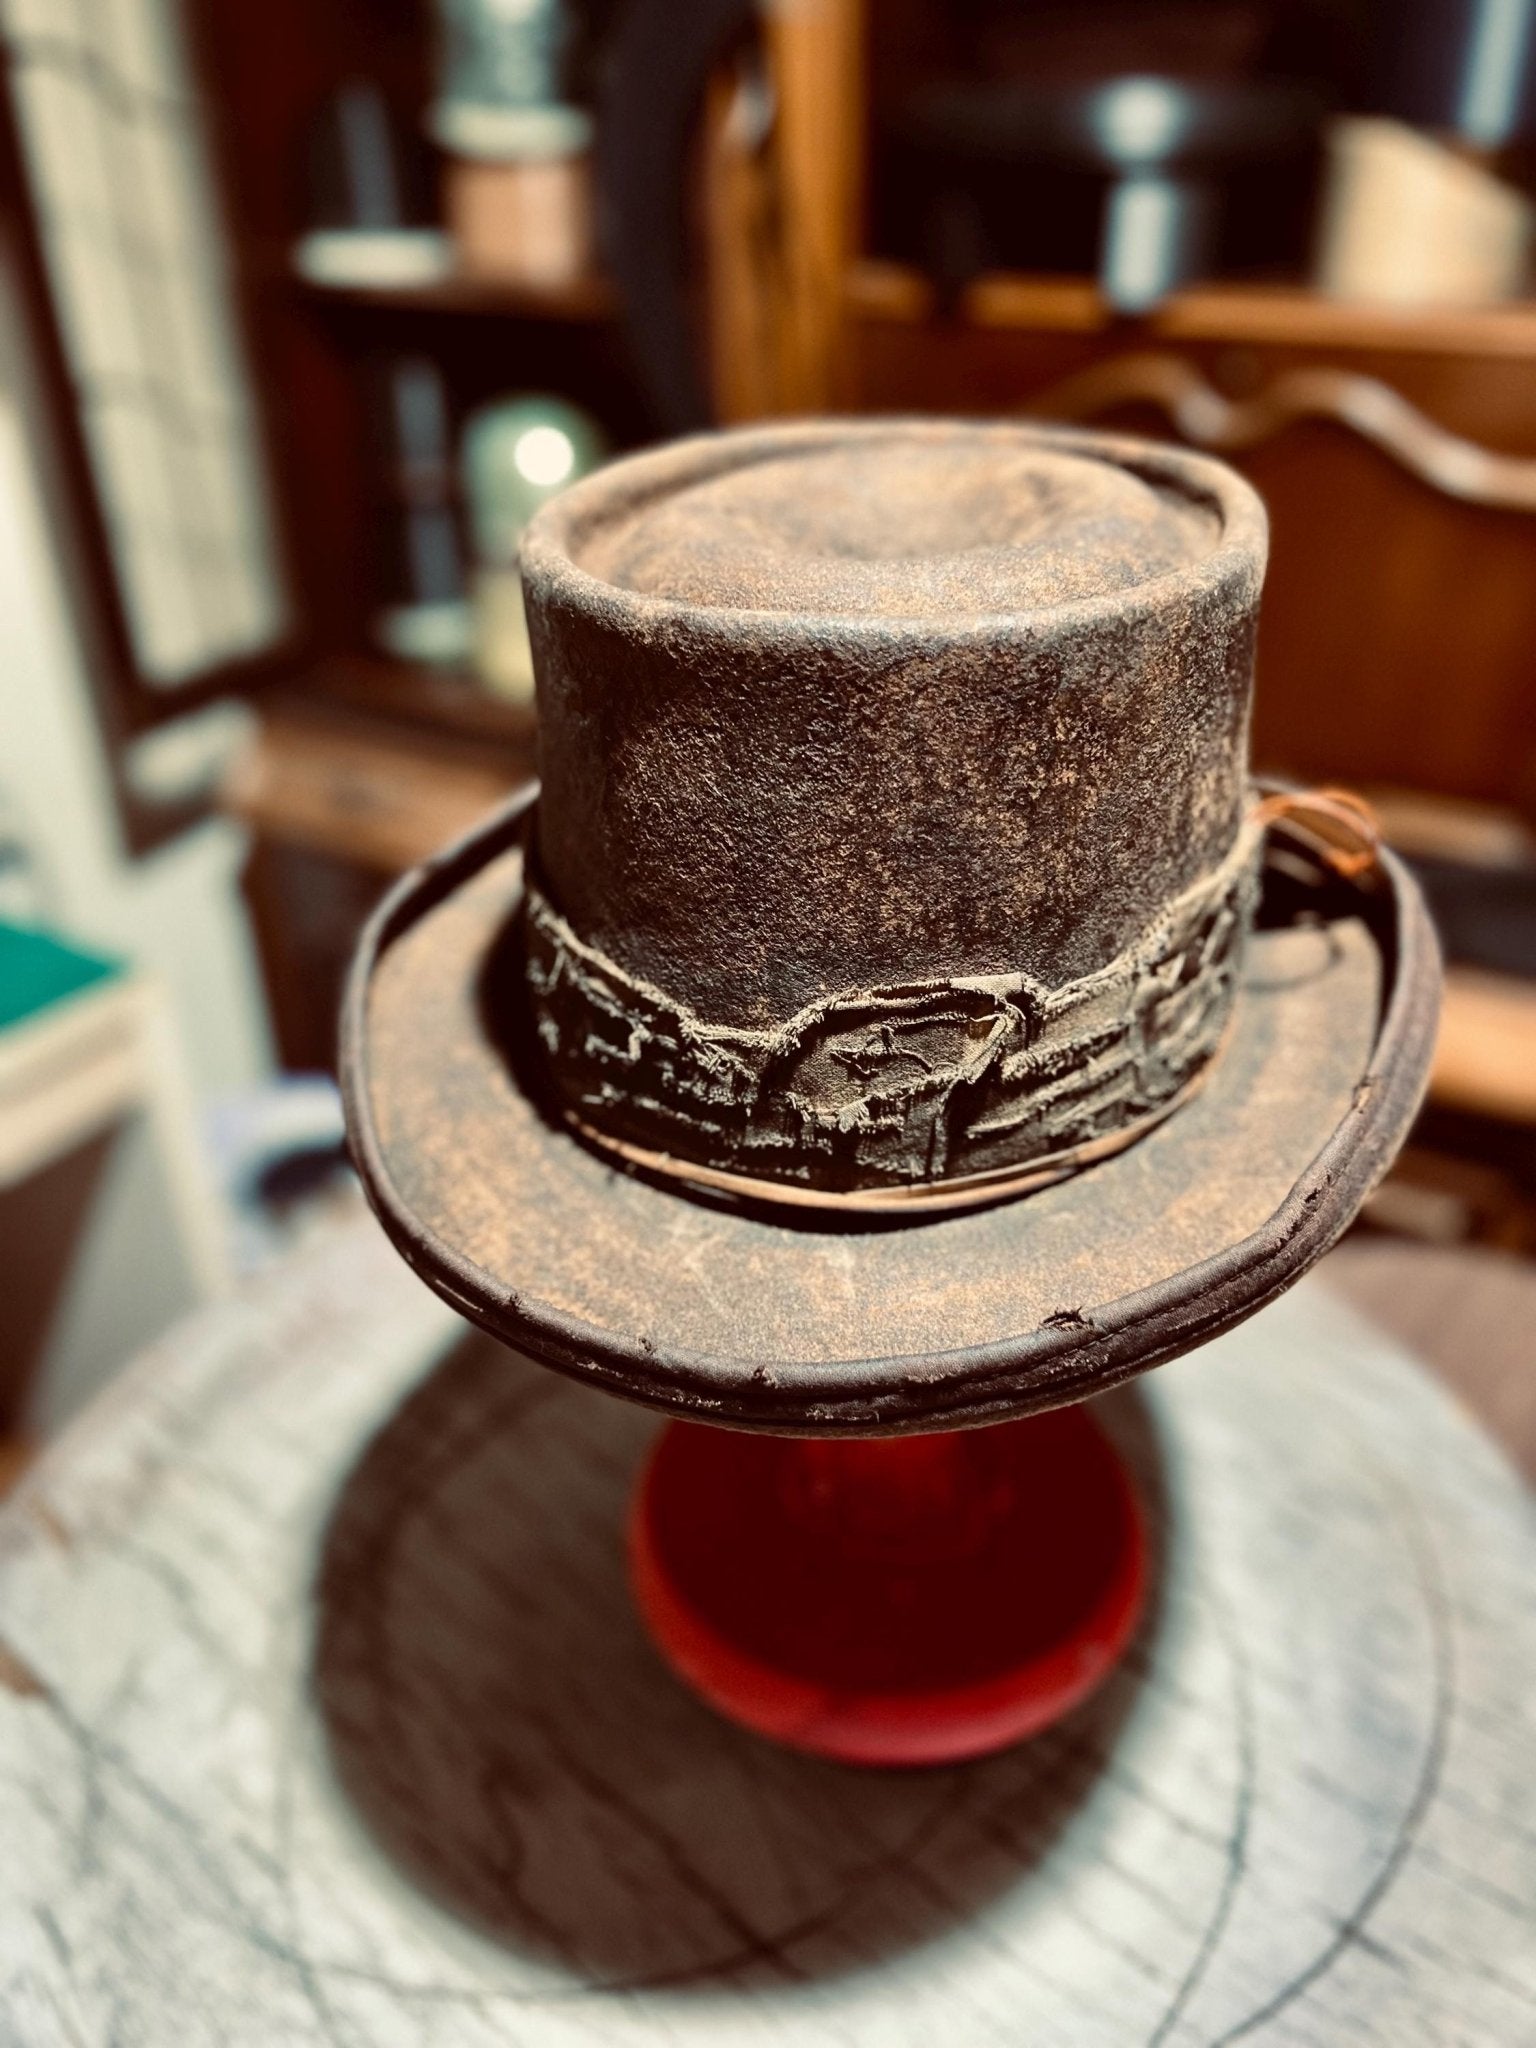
(1207, 418)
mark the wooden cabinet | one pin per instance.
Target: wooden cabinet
(1396, 450)
(1398, 638)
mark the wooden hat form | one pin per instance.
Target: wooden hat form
(895, 850)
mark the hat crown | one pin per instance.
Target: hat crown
(893, 526)
(837, 709)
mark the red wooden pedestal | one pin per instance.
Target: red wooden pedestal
(899, 1600)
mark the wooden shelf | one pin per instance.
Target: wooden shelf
(1286, 315)
(592, 299)
(365, 794)
(451, 706)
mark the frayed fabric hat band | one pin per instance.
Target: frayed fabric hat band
(937, 1091)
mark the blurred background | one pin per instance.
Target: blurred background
(306, 305)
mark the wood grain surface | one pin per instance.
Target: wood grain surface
(324, 1719)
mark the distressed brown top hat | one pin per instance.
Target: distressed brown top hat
(896, 1008)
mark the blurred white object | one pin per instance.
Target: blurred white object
(1155, 230)
(1409, 222)
(438, 633)
(371, 226)
(279, 1153)
(179, 910)
(1493, 85)
(428, 617)
(503, 655)
(500, 81)
(103, 1193)
(1157, 225)
(517, 189)
(122, 183)
(517, 454)
(374, 259)
(186, 760)
(506, 134)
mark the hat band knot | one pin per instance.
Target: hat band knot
(902, 1086)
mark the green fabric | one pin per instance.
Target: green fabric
(37, 969)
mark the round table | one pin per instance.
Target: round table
(325, 1718)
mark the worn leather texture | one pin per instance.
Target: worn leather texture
(844, 705)
(766, 1317)
(903, 1083)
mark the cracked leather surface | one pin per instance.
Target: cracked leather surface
(848, 708)
(915, 1081)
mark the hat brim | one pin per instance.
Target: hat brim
(799, 1322)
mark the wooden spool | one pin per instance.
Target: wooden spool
(325, 1718)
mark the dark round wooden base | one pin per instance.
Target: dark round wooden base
(905, 1600)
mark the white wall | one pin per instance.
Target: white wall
(178, 911)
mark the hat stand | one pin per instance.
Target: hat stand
(917, 1597)
(890, 1600)
(848, 729)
